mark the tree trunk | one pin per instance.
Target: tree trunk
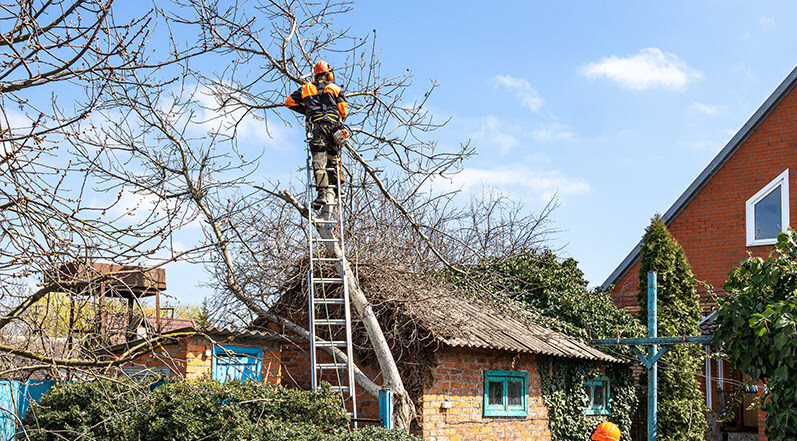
(403, 406)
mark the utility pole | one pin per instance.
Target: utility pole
(651, 359)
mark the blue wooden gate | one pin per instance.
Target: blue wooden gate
(15, 399)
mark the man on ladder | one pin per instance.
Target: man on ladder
(324, 107)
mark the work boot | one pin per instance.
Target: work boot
(325, 197)
(321, 200)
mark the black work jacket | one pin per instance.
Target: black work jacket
(319, 100)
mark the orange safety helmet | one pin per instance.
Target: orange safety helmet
(606, 432)
(321, 67)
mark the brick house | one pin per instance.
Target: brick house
(473, 368)
(737, 205)
(217, 353)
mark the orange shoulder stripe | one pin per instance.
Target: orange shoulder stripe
(290, 102)
(334, 89)
(309, 89)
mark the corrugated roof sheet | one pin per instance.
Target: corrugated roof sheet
(481, 324)
(244, 333)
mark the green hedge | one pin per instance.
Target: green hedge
(108, 409)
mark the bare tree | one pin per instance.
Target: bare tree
(165, 141)
(58, 62)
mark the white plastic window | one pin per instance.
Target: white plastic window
(767, 212)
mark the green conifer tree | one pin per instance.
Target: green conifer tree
(681, 404)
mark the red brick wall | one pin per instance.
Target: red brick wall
(711, 228)
(459, 377)
(295, 363)
(188, 359)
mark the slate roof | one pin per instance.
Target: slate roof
(783, 89)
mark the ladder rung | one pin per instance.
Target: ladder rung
(328, 280)
(334, 322)
(331, 344)
(319, 221)
(327, 240)
(329, 301)
(344, 389)
(337, 366)
(326, 259)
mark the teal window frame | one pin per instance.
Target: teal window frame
(504, 409)
(603, 408)
(245, 363)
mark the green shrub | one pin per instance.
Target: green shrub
(107, 409)
(378, 434)
(681, 409)
(91, 411)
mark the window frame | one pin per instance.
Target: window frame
(226, 351)
(604, 409)
(505, 410)
(782, 181)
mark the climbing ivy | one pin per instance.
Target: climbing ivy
(756, 327)
(562, 382)
(556, 290)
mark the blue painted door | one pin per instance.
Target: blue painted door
(9, 409)
(237, 363)
(15, 399)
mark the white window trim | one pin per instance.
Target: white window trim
(783, 181)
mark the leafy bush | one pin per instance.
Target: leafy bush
(553, 288)
(756, 328)
(556, 290)
(91, 411)
(107, 409)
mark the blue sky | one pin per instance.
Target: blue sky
(616, 106)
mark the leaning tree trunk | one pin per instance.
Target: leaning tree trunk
(403, 406)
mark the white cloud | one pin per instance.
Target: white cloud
(767, 22)
(245, 126)
(522, 89)
(650, 68)
(706, 109)
(553, 132)
(535, 184)
(135, 209)
(492, 134)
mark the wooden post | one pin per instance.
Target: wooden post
(653, 368)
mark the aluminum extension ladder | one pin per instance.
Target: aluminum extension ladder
(328, 296)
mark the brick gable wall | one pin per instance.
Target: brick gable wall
(711, 228)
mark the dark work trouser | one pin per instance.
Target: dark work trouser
(325, 153)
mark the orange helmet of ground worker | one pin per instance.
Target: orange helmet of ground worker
(606, 432)
(321, 67)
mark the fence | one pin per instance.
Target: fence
(15, 398)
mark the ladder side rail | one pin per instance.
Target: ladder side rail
(347, 305)
(310, 282)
